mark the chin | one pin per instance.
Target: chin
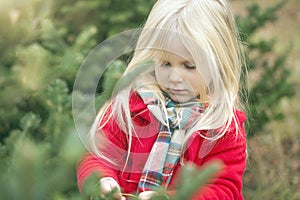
(180, 99)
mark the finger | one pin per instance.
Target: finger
(123, 198)
(108, 184)
(146, 195)
(118, 195)
(106, 188)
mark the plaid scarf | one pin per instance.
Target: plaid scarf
(168, 146)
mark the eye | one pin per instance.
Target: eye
(189, 66)
(165, 64)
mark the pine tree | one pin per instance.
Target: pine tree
(273, 84)
(41, 49)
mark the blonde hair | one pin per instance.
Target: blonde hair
(207, 29)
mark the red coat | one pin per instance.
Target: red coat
(231, 149)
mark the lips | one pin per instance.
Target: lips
(177, 91)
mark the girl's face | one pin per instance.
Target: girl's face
(177, 74)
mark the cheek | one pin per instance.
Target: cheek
(195, 81)
(160, 76)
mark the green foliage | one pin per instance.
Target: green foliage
(191, 179)
(257, 17)
(34, 56)
(109, 16)
(111, 77)
(35, 172)
(43, 44)
(273, 83)
(29, 123)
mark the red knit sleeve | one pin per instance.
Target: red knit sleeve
(112, 144)
(89, 165)
(231, 150)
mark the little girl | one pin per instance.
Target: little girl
(185, 109)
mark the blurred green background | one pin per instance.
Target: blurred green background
(42, 45)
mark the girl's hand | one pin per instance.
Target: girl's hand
(146, 195)
(107, 184)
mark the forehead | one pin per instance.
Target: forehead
(172, 44)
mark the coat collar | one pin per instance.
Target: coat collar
(139, 111)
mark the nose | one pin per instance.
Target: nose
(175, 75)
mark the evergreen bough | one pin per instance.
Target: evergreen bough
(39, 145)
